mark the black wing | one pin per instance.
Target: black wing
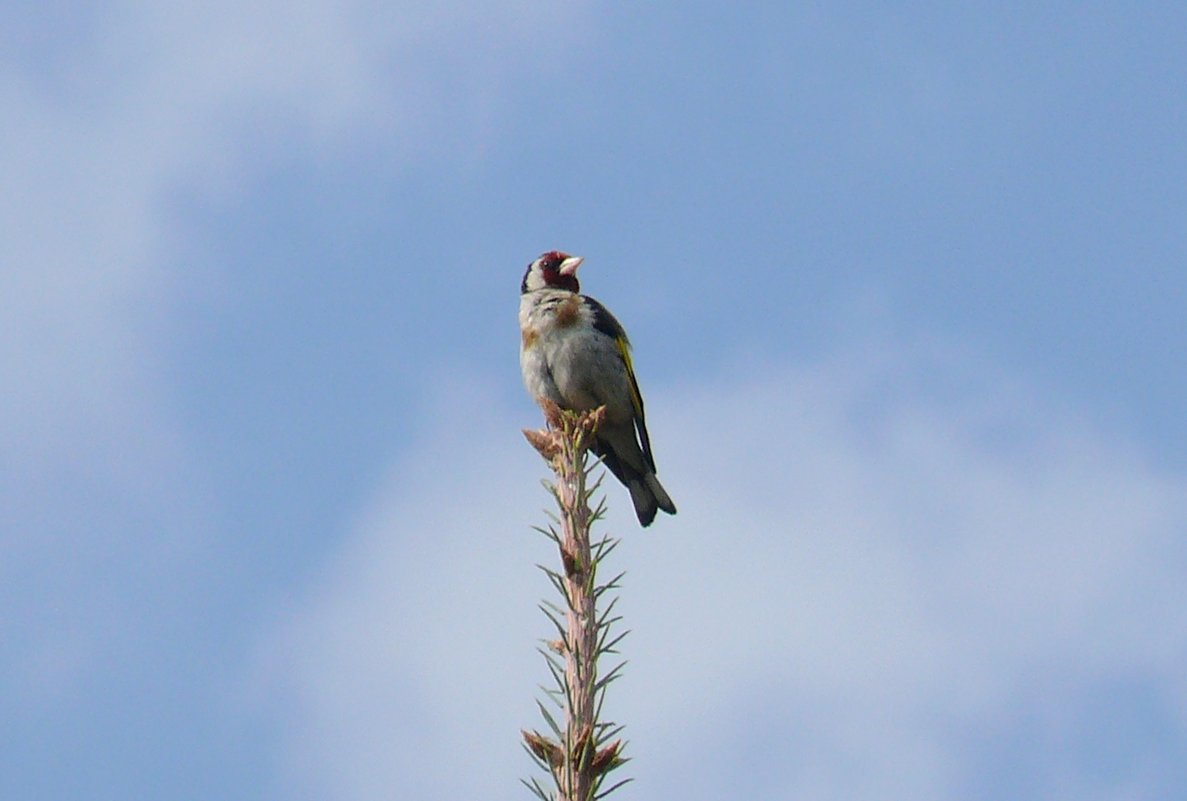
(607, 323)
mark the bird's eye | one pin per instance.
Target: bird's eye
(551, 261)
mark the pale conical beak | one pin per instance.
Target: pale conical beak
(569, 266)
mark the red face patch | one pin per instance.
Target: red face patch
(550, 264)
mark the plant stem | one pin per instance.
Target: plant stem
(581, 759)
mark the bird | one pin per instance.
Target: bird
(575, 353)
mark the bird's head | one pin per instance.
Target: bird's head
(552, 270)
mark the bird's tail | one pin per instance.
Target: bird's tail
(660, 494)
(648, 496)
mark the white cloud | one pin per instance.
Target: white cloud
(868, 579)
(149, 100)
(395, 672)
(170, 96)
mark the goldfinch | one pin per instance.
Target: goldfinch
(574, 353)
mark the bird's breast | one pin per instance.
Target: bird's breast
(528, 338)
(548, 317)
(568, 312)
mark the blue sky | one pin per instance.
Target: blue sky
(907, 292)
